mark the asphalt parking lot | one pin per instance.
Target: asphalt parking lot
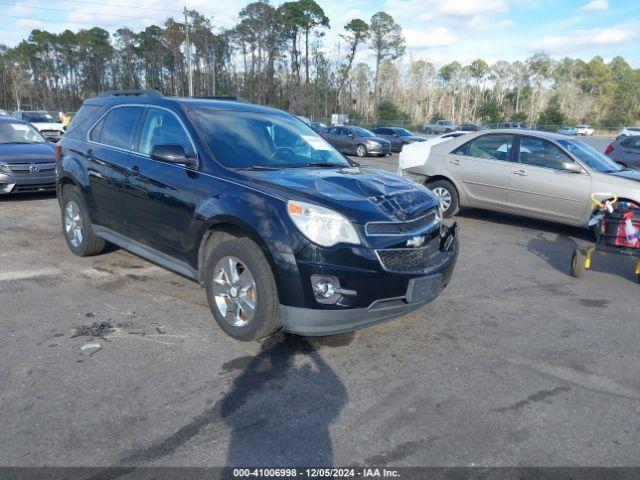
(516, 363)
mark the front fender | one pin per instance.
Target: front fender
(264, 219)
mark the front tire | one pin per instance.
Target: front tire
(361, 150)
(448, 196)
(76, 225)
(241, 290)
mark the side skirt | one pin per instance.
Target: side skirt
(146, 252)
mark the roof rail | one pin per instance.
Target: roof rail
(228, 98)
(133, 93)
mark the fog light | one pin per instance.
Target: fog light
(326, 289)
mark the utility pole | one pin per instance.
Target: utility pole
(188, 51)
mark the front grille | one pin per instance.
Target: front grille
(51, 133)
(412, 260)
(401, 228)
(42, 187)
(26, 167)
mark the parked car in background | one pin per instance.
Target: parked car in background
(469, 127)
(535, 174)
(3, 113)
(625, 151)
(572, 131)
(356, 141)
(281, 230)
(398, 137)
(317, 126)
(513, 125)
(27, 159)
(440, 126)
(46, 124)
(629, 131)
(585, 130)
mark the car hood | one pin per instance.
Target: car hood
(374, 139)
(362, 194)
(27, 153)
(48, 126)
(627, 174)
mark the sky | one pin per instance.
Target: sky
(439, 31)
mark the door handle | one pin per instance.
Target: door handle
(520, 173)
(454, 162)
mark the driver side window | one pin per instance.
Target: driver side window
(538, 152)
(161, 127)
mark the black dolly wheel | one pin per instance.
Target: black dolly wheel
(578, 263)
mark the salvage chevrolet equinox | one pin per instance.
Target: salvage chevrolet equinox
(281, 230)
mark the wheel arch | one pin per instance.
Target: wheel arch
(223, 227)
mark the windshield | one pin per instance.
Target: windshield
(258, 139)
(403, 132)
(19, 133)
(589, 155)
(447, 122)
(361, 132)
(38, 117)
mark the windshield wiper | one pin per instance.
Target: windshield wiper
(258, 168)
(325, 165)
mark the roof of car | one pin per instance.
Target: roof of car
(220, 103)
(519, 131)
(4, 119)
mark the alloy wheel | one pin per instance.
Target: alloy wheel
(444, 196)
(361, 150)
(73, 224)
(234, 290)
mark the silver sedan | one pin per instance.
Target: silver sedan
(536, 174)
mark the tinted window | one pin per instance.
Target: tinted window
(94, 136)
(494, 147)
(541, 153)
(361, 132)
(162, 128)
(333, 131)
(120, 126)
(85, 112)
(244, 139)
(38, 117)
(633, 142)
(345, 132)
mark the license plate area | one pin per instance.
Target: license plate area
(424, 288)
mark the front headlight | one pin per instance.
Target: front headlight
(321, 225)
(372, 144)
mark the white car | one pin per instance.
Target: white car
(416, 154)
(629, 131)
(44, 122)
(584, 130)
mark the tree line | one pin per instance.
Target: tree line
(275, 55)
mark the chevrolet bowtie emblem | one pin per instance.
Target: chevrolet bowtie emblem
(416, 241)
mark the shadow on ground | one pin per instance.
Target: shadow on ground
(278, 410)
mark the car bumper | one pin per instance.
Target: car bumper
(42, 182)
(416, 291)
(379, 150)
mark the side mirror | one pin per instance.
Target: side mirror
(571, 167)
(352, 135)
(172, 154)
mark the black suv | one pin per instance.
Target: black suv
(279, 228)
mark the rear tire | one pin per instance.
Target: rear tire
(241, 290)
(448, 196)
(76, 225)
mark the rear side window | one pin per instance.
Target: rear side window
(633, 142)
(119, 127)
(492, 147)
(85, 113)
(541, 153)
